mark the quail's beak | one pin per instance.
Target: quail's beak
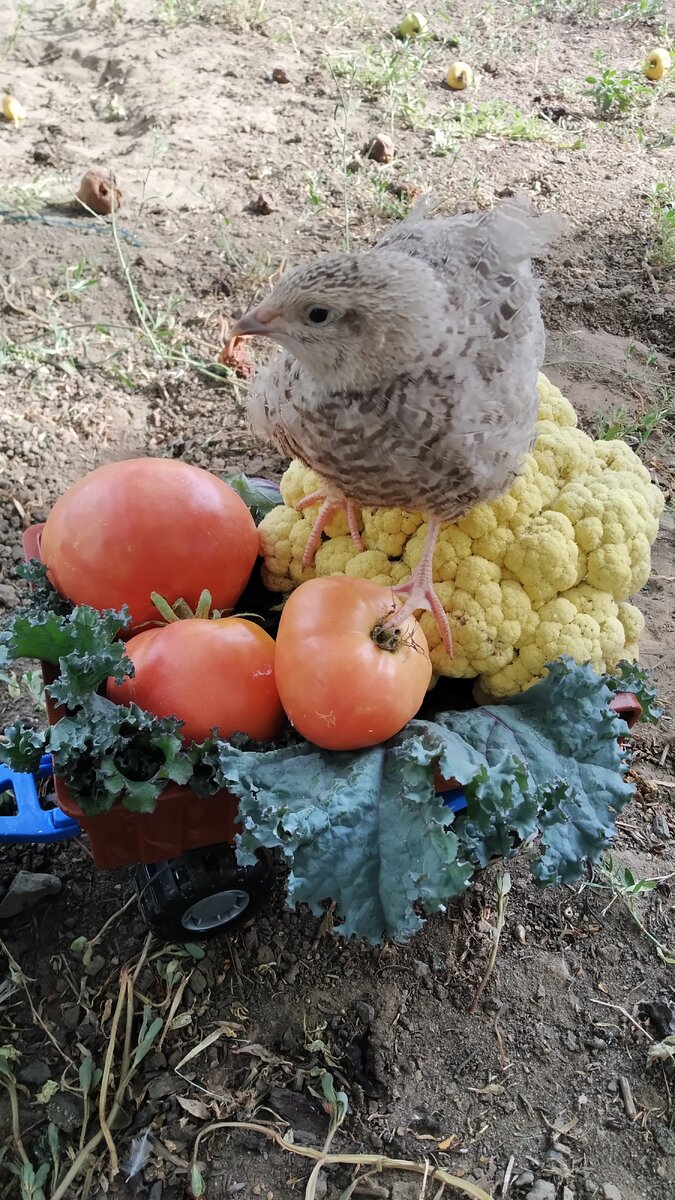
(257, 322)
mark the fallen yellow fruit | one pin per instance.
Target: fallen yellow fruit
(657, 63)
(459, 76)
(413, 25)
(13, 110)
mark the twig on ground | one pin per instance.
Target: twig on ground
(376, 1161)
(503, 889)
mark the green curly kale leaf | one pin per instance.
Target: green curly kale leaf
(366, 829)
(631, 677)
(110, 752)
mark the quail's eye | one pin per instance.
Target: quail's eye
(318, 316)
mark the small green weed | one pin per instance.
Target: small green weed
(498, 119)
(625, 888)
(662, 204)
(79, 278)
(238, 14)
(391, 204)
(614, 92)
(179, 12)
(639, 12)
(22, 197)
(552, 10)
(388, 75)
(637, 430)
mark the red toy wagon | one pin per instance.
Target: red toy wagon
(189, 882)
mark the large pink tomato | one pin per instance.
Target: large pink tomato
(149, 525)
(344, 681)
(217, 673)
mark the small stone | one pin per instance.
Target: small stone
(610, 1192)
(404, 1189)
(35, 1073)
(156, 1190)
(365, 1012)
(279, 75)
(266, 956)
(420, 968)
(664, 1138)
(403, 189)
(542, 1190)
(198, 982)
(555, 1156)
(157, 1061)
(70, 1016)
(568, 1194)
(66, 1111)
(26, 890)
(292, 973)
(161, 1086)
(611, 953)
(9, 597)
(595, 1043)
(524, 1179)
(661, 827)
(381, 149)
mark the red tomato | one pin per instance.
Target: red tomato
(207, 673)
(340, 689)
(149, 525)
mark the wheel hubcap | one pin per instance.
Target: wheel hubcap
(221, 908)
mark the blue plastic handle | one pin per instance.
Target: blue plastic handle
(31, 822)
(455, 799)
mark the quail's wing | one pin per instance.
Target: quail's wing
(499, 239)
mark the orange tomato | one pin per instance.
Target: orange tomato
(207, 673)
(341, 688)
(149, 525)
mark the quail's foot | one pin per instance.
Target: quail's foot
(330, 504)
(419, 591)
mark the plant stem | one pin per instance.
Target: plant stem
(107, 1068)
(503, 889)
(10, 1084)
(376, 1161)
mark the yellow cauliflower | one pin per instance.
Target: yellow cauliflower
(545, 570)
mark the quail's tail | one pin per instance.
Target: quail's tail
(519, 231)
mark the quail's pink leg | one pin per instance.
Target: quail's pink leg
(330, 504)
(419, 590)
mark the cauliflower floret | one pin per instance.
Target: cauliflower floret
(553, 406)
(276, 547)
(543, 571)
(388, 529)
(614, 526)
(545, 556)
(564, 454)
(376, 565)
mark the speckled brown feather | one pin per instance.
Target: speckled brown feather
(443, 420)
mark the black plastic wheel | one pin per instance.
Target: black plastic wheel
(201, 893)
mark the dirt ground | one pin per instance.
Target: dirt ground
(107, 349)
